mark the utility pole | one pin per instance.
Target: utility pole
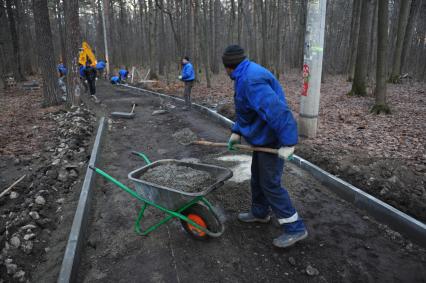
(312, 68)
(104, 20)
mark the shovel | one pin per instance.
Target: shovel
(237, 146)
(125, 115)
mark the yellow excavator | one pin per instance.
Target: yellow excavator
(86, 53)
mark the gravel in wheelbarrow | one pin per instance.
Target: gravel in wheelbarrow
(179, 177)
(172, 183)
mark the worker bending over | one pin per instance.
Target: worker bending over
(115, 80)
(123, 73)
(264, 119)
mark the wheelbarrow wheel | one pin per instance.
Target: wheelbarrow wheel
(201, 215)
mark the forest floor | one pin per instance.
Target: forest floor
(51, 147)
(381, 154)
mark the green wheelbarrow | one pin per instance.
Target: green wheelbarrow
(194, 211)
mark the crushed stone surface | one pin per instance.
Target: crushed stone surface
(185, 136)
(178, 177)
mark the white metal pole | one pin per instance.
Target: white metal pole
(105, 7)
(312, 67)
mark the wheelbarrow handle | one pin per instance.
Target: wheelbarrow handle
(143, 156)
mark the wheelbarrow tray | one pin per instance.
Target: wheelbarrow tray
(172, 198)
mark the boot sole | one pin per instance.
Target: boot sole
(304, 236)
(258, 220)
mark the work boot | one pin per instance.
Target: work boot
(248, 217)
(96, 98)
(287, 240)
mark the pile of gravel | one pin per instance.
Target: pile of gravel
(185, 136)
(178, 177)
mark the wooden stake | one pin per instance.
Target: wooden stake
(11, 186)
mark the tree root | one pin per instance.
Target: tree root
(380, 108)
(395, 79)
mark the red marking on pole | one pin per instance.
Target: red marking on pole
(306, 76)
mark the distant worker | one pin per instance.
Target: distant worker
(62, 70)
(264, 119)
(124, 73)
(188, 77)
(115, 80)
(81, 69)
(90, 76)
(100, 67)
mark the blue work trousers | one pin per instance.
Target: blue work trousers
(267, 192)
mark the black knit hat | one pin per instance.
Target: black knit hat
(232, 56)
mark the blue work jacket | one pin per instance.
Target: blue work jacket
(188, 72)
(81, 71)
(123, 74)
(115, 80)
(263, 117)
(62, 69)
(100, 65)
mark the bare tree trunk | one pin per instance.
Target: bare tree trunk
(240, 21)
(59, 22)
(381, 72)
(122, 31)
(17, 65)
(404, 12)
(205, 49)
(195, 37)
(414, 14)
(2, 65)
(356, 13)
(162, 44)
(254, 33)
(44, 47)
(24, 28)
(230, 39)
(72, 42)
(264, 60)
(372, 41)
(359, 86)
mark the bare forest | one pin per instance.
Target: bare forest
(308, 114)
(157, 33)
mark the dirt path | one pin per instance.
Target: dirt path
(384, 155)
(344, 244)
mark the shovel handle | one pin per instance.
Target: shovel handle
(237, 146)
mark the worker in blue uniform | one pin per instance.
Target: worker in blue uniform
(81, 69)
(100, 68)
(62, 70)
(115, 80)
(123, 73)
(188, 77)
(264, 119)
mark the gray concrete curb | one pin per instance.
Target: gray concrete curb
(72, 253)
(381, 211)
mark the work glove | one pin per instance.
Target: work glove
(286, 152)
(180, 77)
(234, 139)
